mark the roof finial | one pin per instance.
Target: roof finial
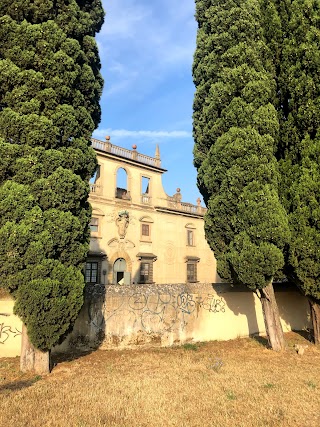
(157, 155)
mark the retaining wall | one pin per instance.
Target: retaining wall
(162, 315)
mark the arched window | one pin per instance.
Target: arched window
(122, 185)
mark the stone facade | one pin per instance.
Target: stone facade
(139, 234)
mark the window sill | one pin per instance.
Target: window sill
(145, 283)
(118, 199)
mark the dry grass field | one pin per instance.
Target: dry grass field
(235, 383)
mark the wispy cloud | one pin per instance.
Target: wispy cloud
(123, 133)
(126, 18)
(120, 85)
(148, 41)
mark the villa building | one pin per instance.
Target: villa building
(139, 234)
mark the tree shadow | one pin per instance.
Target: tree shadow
(240, 300)
(260, 340)
(89, 329)
(307, 334)
(18, 385)
(136, 277)
(294, 308)
(69, 356)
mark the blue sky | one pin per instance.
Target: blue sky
(146, 49)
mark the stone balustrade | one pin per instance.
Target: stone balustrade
(146, 199)
(95, 189)
(173, 203)
(107, 147)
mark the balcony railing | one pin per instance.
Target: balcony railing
(146, 199)
(173, 203)
(95, 189)
(107, 147)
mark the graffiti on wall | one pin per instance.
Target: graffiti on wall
(6, 330)
(154, 313)
(213, 304)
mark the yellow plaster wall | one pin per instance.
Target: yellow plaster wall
(165, 315)
(168, 230)
(161, 315)
(10, 330)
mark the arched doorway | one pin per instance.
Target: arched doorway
(116, 266)
(119, 269)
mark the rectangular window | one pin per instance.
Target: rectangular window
(144, 269)
(190, 238)
(146, 272)
(145, 230)
(94, 225)
(191, 272)
(91, 272)
(145, 185)
(95, 176)
(145, 190)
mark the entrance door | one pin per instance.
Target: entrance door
(119, 268)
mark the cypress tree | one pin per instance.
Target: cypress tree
(299, 148)
(50, 86)
(236, 127)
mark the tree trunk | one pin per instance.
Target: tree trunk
(31, 358)
(315, 315)
(272, 318)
